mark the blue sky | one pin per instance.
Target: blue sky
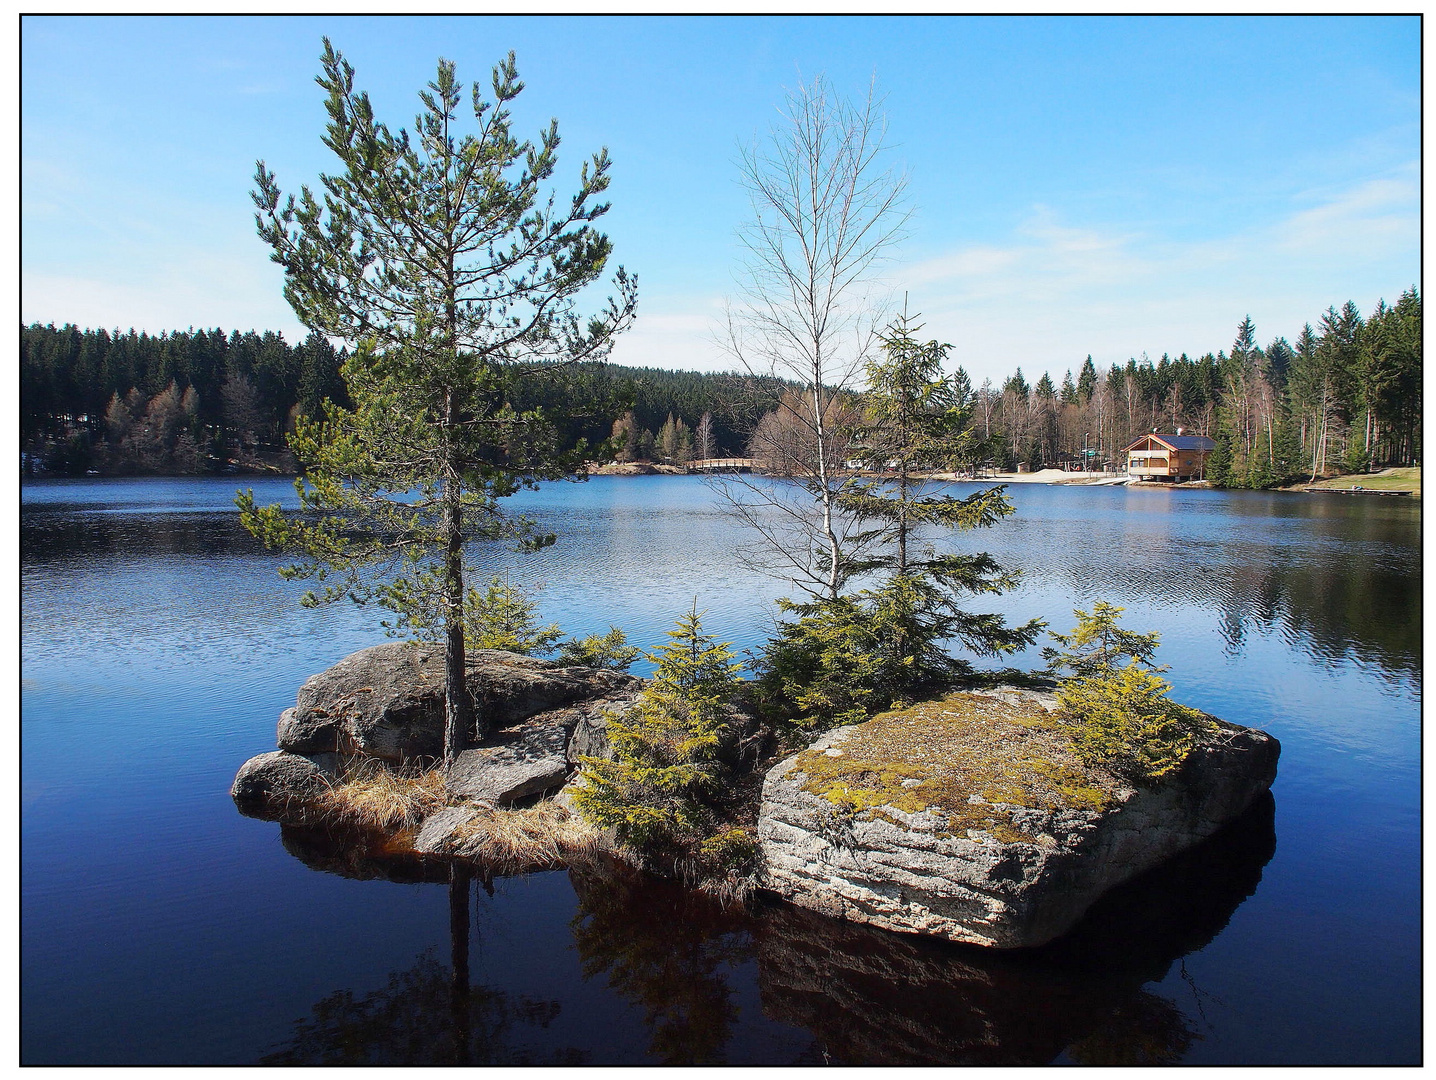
(1078, 185)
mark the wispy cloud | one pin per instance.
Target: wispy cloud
(684, 339)
(1059, 290)
(1369, 220)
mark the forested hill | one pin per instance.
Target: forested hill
(1344, 397)
(193, 401)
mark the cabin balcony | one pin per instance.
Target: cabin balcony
(1150, 466)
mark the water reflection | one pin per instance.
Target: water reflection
(668, 952)
(876, 998)
(67, 535)
(866, 996)
(429, 1014)
(361, 856)
(1337, 577)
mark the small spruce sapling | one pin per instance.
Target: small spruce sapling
(657, 791)
(609, 651)
(1119, 714)
(503, 616)
(1097, 644)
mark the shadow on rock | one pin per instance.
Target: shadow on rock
(872, 997)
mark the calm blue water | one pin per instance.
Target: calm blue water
(159, 926)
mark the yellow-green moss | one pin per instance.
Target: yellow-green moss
(1003, 751)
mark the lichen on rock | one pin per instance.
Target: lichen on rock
(975, 759)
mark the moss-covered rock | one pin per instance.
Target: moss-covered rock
(972, 818)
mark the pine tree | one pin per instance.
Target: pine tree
(433, 258)
(1069, 390)
(1221, 467)
(1087, 381)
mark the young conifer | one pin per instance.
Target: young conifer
(657, 790)
(1116, 705)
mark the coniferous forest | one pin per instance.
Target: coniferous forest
(1344, 397)
(196, 401)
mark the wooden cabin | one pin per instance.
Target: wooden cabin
(1172, 458)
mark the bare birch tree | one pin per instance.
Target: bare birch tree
(824, 212)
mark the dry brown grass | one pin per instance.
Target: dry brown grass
(372, 796)
(1408, 479)
(540, 837)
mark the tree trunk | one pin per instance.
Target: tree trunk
(902, 494)
(459, 717)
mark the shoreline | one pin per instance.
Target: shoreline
(1339, 485)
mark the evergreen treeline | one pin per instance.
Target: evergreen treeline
(188, 401)
(1345, 397)
(195, 401)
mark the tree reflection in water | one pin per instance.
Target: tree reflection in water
(866, 996)
(668, 951)
(427, 1015)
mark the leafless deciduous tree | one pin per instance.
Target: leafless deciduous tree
(824, 212)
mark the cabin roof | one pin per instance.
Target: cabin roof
(1176, 442)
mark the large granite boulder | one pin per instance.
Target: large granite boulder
(387, 701)
(971, 819)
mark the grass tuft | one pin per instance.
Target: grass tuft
(370, 795)
(540, 837)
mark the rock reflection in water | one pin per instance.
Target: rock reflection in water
(361, 856)
(866, 996)
(878, 998)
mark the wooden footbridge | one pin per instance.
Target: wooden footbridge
(725, 464)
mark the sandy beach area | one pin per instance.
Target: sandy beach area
(1044, 476)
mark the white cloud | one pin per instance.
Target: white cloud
(1059, 291)
(683, 340)
(1365, 221)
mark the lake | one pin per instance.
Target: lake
(158, 926)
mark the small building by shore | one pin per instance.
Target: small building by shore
(1175, 458)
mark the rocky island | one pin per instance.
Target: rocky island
(969, 818)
